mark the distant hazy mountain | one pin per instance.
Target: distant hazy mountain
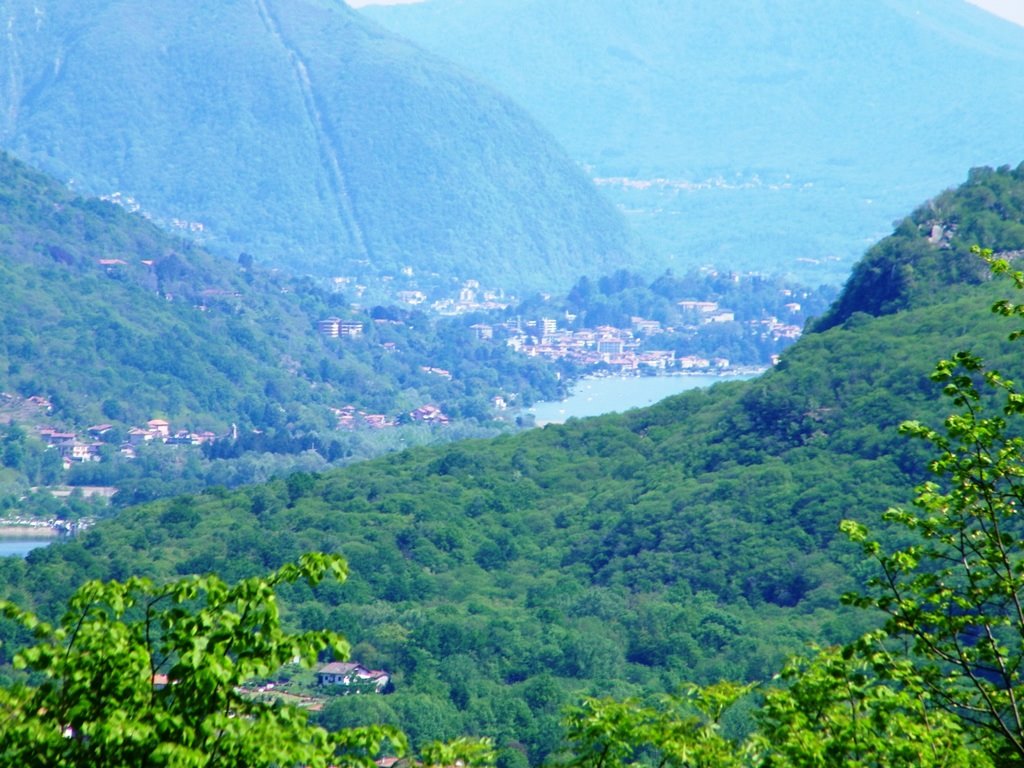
(752, 132)
(298, 131)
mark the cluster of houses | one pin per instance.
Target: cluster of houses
(705, 312)
(159, 430)
(74, 447)
(429, 414)
(618, 348)
(471, 298)
(350, 417)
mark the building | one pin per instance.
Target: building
(355, 676)
(645, 327)
(350, 328)
(412, 297)
(702, 307)
(335, 327)
(610, 345)
(429, 414)
(482, 331)
(329, 327)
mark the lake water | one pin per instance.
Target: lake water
(19, 546)
(614, 394)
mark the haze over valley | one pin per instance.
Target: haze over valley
(778, 136)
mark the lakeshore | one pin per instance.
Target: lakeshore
(21, 545)
(29, 531)
(19, 536)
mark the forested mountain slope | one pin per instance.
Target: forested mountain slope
(751, 133)
(101, 314)
(696, 539)
(301, 133)
(114, 321)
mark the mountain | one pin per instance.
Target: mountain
(757, 135)
(301, 133)
(694, 540)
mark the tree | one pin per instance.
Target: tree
(142, 674)
(842, 707)
(832, 709)
(676, 731)
(954, 597)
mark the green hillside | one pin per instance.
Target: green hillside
(301, 133)
(694, 540)
(101, 314)
(751, 133)
(114, 322)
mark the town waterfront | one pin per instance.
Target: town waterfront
(615, 394)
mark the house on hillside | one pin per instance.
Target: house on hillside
(429, 414)
(355, 676)
(138, 436)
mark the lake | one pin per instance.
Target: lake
(614, 394)
(21, 545)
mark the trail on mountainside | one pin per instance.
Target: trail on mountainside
(329, 153)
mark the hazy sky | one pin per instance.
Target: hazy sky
(361, 3)
(1008, 9)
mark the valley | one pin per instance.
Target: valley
(283, 297)
(153, 367)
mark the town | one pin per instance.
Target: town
(645, 345)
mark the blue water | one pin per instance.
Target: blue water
(21, 545)
(615, 394)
